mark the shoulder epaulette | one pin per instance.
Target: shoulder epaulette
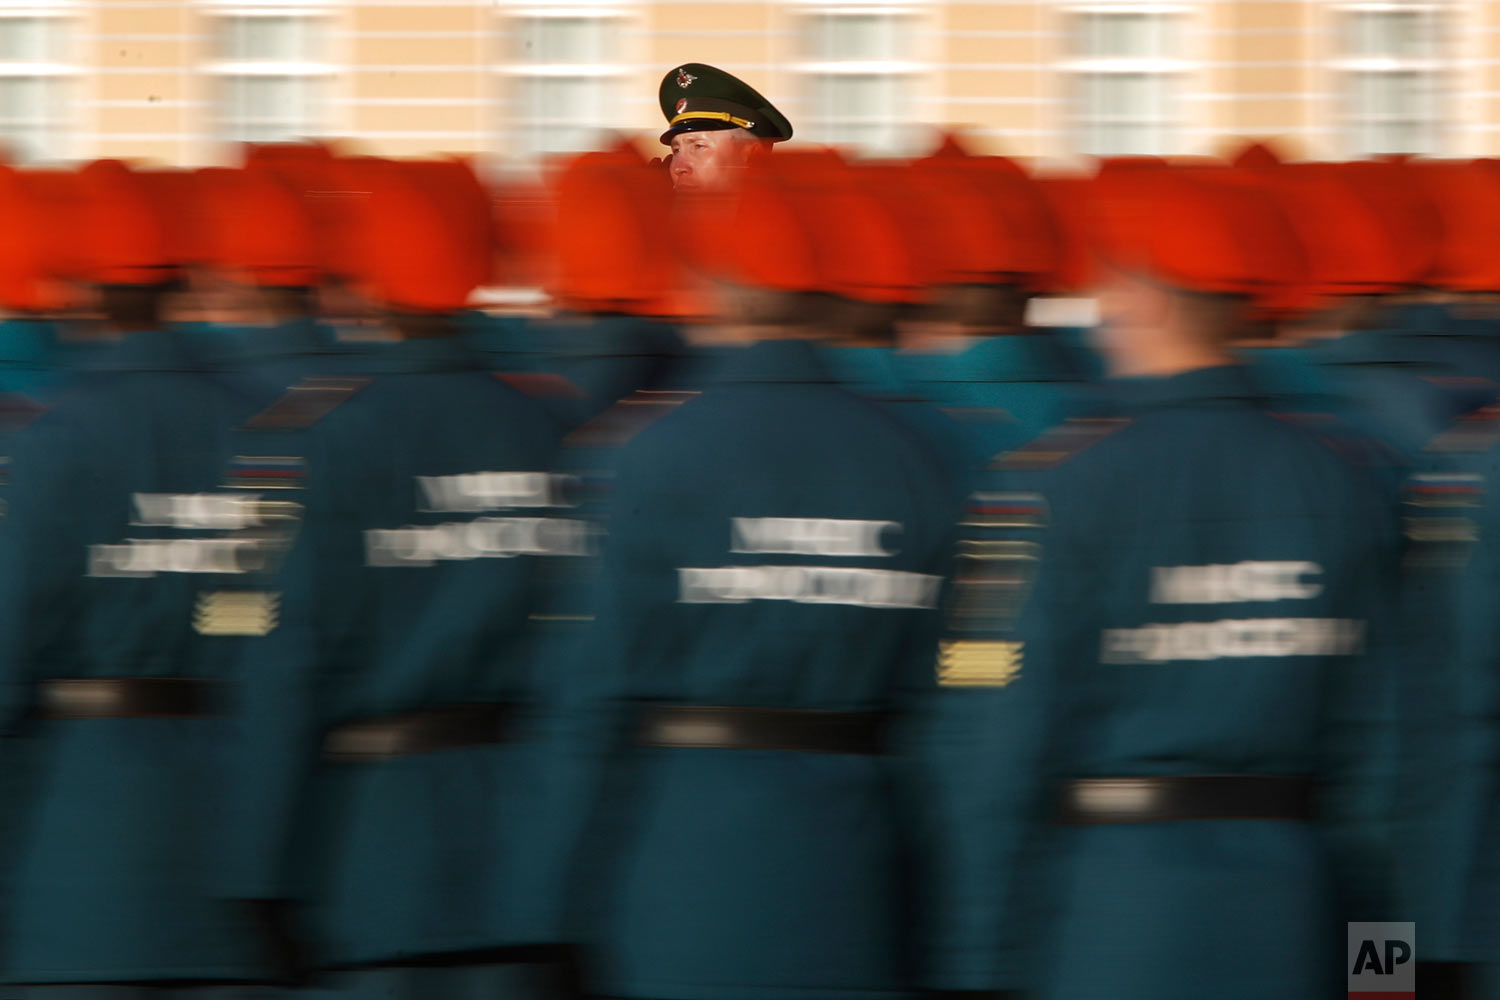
(541, 385)
(18, 411)
(1341, 437)
(305, 404)
(627, 418)
(1461, 381)
(1474, 433)
(1061, 443)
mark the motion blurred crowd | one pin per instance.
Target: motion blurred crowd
(772, 608)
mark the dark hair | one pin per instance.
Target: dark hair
(135, 307)
(286, 302)
(422, 326)
(990, 306)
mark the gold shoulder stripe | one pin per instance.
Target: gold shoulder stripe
(1061, 443)
(966, 663)
(306, 403)
(541, 385)
(627, 418)
(237, 612)
(1475, 433)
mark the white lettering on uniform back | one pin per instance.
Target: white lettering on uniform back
(1234, 583)
(146, 557)
(843, 585)
(212, 511)
(811, 536)
(481, 538)
(474, 492)
(1233, 639)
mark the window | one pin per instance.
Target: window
(564, 80)
(859, 73)
(1391, 70)
(271, 76)
(35, 85)
(1126, 77)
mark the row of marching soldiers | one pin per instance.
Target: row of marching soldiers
(778, 614)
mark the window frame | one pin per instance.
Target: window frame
(518, 123)
(1350, 120)
(216, 72)
(1173, 120)
(910, 74)
(61, 128)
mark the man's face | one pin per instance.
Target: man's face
(709, 161)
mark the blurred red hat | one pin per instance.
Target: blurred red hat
(1192, 228)
(125, 232)
(1401, 204)
(1071, 200)
(1256, 154)
(1349, 248)
(175, 197)
(58, 195)
(257, 225)
(609, 257)
(913, 206)
(313, 171)
(453, 183)
(27, 279)
(1282, 258)
(999, 224)
(755, 236)
(413, 254)
(1467, 199)
(857, 241)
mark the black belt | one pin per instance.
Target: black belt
(128, 697)
(1169, 798)
(725, 727)
(428, 731)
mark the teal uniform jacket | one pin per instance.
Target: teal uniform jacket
(28, 359)
(1382, 384)
(881, 375)
(260, 362)
(579, 365)
(427, 505)
(1422, 405)
(112, 873)
(718, 873)
(1452, 795)
(1135, 653)
(1001, 391)
(1467, 345)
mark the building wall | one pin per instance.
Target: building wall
(407, 78)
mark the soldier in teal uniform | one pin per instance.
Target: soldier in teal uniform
(390, 795)
(259, 238)
(112, 703)
(1170, 664)
(767, 609)
(999, 244)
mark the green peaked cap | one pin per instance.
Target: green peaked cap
(699, 98)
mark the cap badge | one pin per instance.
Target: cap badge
(682, 106)
(685, 79)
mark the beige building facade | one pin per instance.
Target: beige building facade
(177, 81)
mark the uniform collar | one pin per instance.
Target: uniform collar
(1363, 347)
(772, 361)
(145, 350)
(866, 369)
(1201, 385)
(1034, 357)
(294, 338)
(426, 354)
(26, 341)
